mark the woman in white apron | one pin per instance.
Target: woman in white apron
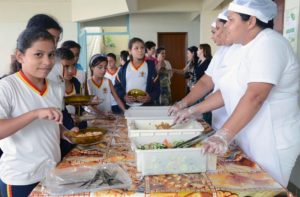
(212, 75)
(260, 92)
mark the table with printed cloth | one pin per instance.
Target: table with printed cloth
(236, 175)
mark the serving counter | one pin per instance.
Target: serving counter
(236, 175)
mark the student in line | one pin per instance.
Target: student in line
(138, 74)
(101, 86)
(30, 115)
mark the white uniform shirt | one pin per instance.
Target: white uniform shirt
(80, 75)
(71, 108)
(112, 77)
(56, 74)
(28, 152)
(268, 58)
(215, 70)
(136, 78)
(103, 92)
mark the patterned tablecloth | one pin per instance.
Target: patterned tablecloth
(236, 175)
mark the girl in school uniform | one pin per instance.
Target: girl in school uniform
(138, 74)
(111, 73)
(102, 87)
(30, 115)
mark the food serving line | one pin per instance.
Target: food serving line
(114, 162)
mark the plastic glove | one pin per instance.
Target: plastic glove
(176, 107)
(187, 114)
(218, 143)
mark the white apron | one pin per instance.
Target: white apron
(264, 135)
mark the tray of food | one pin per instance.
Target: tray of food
(157, 155)
(162, 127)
(86, 137)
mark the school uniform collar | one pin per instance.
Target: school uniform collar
(96, 84)
(29, 83)
(136, 68)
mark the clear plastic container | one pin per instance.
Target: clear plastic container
(147, 112)
(150, 128)
(85, 179)
(171, 161)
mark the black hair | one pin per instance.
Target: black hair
(95, 60)
(149, 45)
(112, 55)
(44, 21)
(134, 40)
(26, 40)
(159, 50)
(193, 50)
(124, 55)
(69, 44)
(64, 54)
(222, 20)
(259, 23)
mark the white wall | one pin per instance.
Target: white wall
(205, 28)
(14, 15)
(293, 5)
(146, 26)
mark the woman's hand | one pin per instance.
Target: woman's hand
(187, 114)
(218, 143)
(176, 107)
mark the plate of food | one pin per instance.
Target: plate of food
(86, 137)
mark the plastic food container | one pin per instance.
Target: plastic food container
(85, 179)
(171, 161)
(145, 112)
(88, 136)
(153, 127)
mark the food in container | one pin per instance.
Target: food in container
(87, 136)
(154, 157)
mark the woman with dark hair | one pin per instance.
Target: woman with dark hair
(204, 54)
(188, 70)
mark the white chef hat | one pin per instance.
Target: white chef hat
(213, 24)
(264, 10)
(223, 15)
